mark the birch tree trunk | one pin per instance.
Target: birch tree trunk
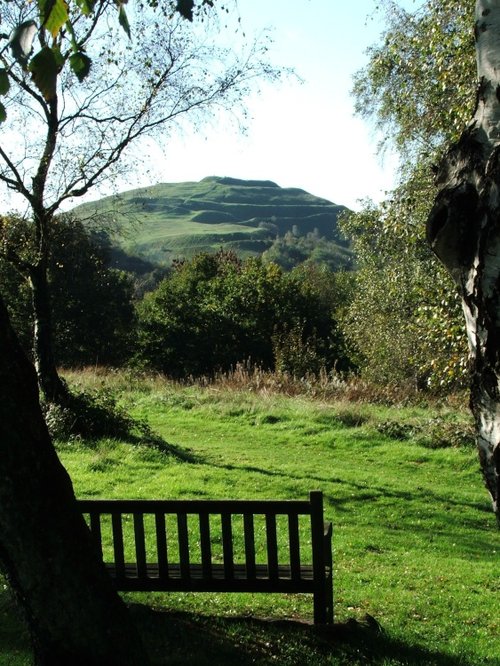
(464, 232)
(52, 386)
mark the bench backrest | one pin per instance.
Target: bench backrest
(202, 538)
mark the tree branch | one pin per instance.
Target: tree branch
(16, 183)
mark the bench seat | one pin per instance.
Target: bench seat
(198, 581)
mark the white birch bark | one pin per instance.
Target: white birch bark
(464, 232)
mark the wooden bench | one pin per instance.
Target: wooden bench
(171, 545)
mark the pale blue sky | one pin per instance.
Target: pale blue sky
(300, 135)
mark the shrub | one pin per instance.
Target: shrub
(90, 415)
(91, 303)
(436, 433)
(396, 430)
(443, 433)
(216, 311)
(295, 355)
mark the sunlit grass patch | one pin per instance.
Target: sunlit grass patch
(415, 542)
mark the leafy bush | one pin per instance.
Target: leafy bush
(436, 433)
(91, 303)
(293, 249)
(89, 414)
(396, 430)
(216, 311)
(440, 433)
(95, 414)
(404, 324)
(296, 356)
(92, 310)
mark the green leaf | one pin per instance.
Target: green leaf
(185, 8)
(122, 18)
(44, 67)
(4, 82)
(80, 63)
(86, 6)
(54, 14)
(3, 113)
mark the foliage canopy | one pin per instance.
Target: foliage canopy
(418, 87)
(216, 310)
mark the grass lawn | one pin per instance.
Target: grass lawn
(415, 542)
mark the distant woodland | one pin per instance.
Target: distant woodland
(191, 279)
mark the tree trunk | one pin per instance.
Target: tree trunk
(52, 386)
(74, 615)
(464, 232)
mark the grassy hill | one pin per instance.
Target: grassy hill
(170, 220)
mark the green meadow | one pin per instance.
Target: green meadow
(416, 547)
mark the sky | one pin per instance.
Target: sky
(299, 134)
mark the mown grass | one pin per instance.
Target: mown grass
(415, 542)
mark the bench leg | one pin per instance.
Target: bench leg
(323, 602)
(329, 600)
(320, 610)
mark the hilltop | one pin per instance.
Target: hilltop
(170, 220)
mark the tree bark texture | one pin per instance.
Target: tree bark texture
(464, 232)
(52, 386)
(74, 615)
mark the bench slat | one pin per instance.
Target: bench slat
(161, 543)
(206, 546)
(183, 536)
(116, 523)
(195, 506)
(95, 530)
(294, 544)
(227, 544)
(272, 545)
(248, 527)
(140, 544)
(176, 581)
(196, 571)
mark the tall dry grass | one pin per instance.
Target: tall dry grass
(326, 385)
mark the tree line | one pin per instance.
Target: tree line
(207, 314)
(431, 85)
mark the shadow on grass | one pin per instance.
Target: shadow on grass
(185, 638)
(353, 493)
(157, 443)
(190, 639)
(88, 416)
(364, 493)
